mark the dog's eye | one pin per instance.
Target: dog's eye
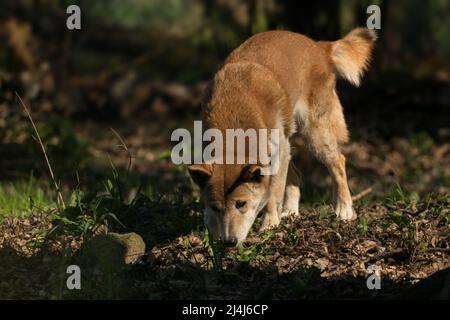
(239, 204)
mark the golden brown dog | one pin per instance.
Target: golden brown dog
(286, 81)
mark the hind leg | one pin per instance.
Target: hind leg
(342, 200)
(323, 135)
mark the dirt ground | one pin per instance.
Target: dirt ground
(312, 256)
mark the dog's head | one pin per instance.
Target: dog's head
(232, 196)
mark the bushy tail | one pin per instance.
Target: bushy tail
(351, 54)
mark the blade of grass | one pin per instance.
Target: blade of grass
(52, 175)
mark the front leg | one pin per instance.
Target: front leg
(292, 193)
(271, 218)
(276, 193)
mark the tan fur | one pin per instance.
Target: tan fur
(351, 55)
(283, 80)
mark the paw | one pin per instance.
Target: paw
(291, 201)
(289, 212)
(344, 211)
(290, 207)
(269, 221)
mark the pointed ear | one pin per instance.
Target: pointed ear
(200, 173)
(253, 173)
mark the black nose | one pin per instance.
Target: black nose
(230, 241)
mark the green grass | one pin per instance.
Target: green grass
(18, 198)
(362, 225)
(400, 195)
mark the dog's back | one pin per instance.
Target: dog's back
(298, 62)
(305, 70)
(302, 64)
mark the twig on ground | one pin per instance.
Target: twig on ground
(437, 250)
(362, 194)
(39, 140)
(389, 254)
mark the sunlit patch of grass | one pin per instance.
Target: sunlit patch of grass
(292, 235)
(362, 226)
(402, 196)
(326, 212)
(214, 250)
(18, 198)
(217, 255)
(257, 251)
(412, 215)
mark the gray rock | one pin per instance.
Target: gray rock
(111, 252)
